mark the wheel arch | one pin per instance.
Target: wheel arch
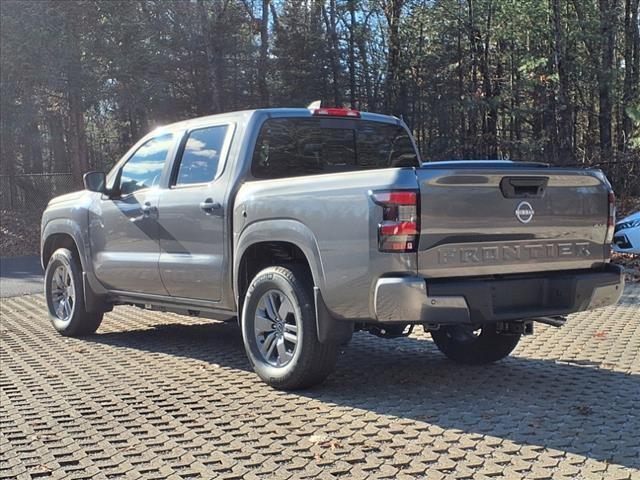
(63, 233)
(276, 240)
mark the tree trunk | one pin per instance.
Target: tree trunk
(8, 152)
(491, 124)
(352, 56)
(565, 110)
(263, 89)
(495, 105)
(393, 11)
(213, 57)
(77, 129)
(463, 150)
(330, 25)
(516, 114)
(473, 86)
(366, 74)
(56, 142)
(605, 77)
(77, 134)
(32, 161)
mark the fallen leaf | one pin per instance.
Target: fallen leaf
(332, 444)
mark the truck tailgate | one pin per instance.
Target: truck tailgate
(485, 219)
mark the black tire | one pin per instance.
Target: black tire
(79, 322)
(311, 361)
(462, 345)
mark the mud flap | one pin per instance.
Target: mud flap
(93, 303)
(330, 330)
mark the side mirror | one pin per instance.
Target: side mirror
(95, 181)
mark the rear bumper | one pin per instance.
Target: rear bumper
(496, 299)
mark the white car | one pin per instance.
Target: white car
(626, 238)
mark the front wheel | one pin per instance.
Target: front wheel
(279, 330)
(64, 293)
(474, 345)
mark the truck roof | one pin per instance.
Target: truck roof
(268, 112)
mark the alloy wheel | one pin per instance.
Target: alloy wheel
(63, 293)
(276, 328)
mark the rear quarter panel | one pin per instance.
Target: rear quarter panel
(338, 212)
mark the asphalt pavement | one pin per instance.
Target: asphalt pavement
(20, 276)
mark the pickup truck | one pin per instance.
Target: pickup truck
(305, 225)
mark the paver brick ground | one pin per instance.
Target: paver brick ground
(162, 396)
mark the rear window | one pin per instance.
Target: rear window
(289, 147)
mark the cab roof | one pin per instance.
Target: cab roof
(270, 113)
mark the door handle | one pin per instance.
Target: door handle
(148, 209)
(209, 206)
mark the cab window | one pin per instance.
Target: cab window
(288, 147)
(201, 155)
(144, 167)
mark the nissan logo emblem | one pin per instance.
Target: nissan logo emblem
(524, 212)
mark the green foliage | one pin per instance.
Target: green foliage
(633, 111)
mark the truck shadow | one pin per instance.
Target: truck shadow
(572, 408)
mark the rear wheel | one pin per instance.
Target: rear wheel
(64, 293)
(474, 344)
(279, 330)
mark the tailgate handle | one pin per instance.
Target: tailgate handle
(523, 187)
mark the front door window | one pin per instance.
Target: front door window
(144, 168)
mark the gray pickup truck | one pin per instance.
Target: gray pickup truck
(306, 225)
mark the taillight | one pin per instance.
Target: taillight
(336, 112)
(400, 227)
(611, 222)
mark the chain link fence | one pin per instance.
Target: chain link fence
(32, 192)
